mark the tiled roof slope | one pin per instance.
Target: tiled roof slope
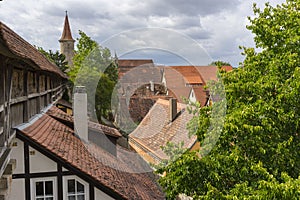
(176, 84)
(21, 48)
(58, 139)
(156, 130)
(125, 65)
(66, 34)
(210, 72)
(179, 78)
(65, 118)
(189, 73)
(201, 95)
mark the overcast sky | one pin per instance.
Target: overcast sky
(173, 32)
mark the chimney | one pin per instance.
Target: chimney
(151, 86)
(80, 112)
(173, 109)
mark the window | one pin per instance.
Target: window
(44, 190)
(76, 190)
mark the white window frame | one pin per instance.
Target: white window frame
(84, 183)
(33, 187)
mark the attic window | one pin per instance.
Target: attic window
(76, 190)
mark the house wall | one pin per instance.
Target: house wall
(101, 195)
(18, 154)
(42, 168)
(40, 163)
(18, 189)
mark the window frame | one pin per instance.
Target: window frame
(76, 194)
(44, 180)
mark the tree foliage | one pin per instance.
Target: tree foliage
(55, 57)
(220, 63)
(257, 154)
(95, 69)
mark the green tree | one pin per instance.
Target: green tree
(55, 57)
(94, 68)
(257, 154)
(220, 63)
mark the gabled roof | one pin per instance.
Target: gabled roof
(90, 161)
(176, 84)
(200, 94)
(180, 79)
(156, 130)
(66, 34)
(22, 49)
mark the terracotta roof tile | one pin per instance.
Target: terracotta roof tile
(23, 49)
(189, 73)
(125, 65)
(201, 94)
(59, 139)
(65, 118)
(154, 132)
(105, 129)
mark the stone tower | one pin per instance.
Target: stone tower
(67, 42)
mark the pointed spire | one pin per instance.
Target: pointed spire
(66, 35)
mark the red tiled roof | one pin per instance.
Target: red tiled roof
(190, 74)
(66, 34)
(59, 140)
(156, 130)
(176, 84)
(21, 48)
(178, 78)
(210, 72)
(125, 65)
(105, 129)
(134, 62)
(64, 117)
(59, 114)
(200, 94)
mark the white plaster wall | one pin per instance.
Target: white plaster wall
(192, 96)
(101, 195)
(17, 189)
(18, 154)
(40, 163)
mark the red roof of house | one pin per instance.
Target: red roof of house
(180, 79)
(64, 117)
(156, 130)
(125, 65)
(92, 161)
(201, 94)
(210, 72)
(189, 73)
(21, 48)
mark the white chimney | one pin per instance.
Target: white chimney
(173, 109)
(151, 86)
(80, 112)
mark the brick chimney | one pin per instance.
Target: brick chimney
(80, 112)
(173, 108)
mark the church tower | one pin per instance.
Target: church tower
(67, 42)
